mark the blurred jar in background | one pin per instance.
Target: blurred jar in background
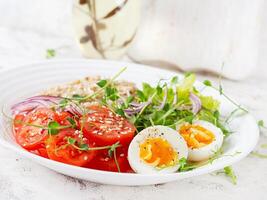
(105, 28)
(216, 36)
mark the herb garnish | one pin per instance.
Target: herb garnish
(261, 124)
(50, 53)
(229, 172)
(220, 90)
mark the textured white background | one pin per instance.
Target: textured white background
(27, 29)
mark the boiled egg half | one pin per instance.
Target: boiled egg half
(203, 139)
(157, 149)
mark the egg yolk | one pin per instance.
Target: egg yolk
(158, 152)
(196, 136)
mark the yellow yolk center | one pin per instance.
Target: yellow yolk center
(158, 152)
(196, 136)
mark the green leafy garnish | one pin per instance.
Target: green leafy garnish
(102, 83)
(50, 53)
(220, 90)
(112, 148)
(77, 97)
(63, 103)
(174, 80)
(209, 103)
(71, 140)
(183, 165)
(53, 127)
(104, 86)
(84, 147)
(186, 74)
(207, 83)
(184, 89)
(187, 166)
(261, 124)
(228, 171)
(111, 93)
(72, 122)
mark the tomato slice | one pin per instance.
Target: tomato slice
(30, 137)
(40, 151)
(59, 150)
(106, 128)
(62, 118)
(103, 161)
(17, 121)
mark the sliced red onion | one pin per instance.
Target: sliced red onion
(136, 108)
(196, 103)
(43, 101)
(73, 109)
(161, 106)
(34, 102)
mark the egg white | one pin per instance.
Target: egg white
(206, 152)
(176, 141)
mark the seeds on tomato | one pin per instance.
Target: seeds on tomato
(106, 128)
(31, 137)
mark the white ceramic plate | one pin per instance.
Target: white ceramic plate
(25, 81)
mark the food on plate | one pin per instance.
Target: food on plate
(114, 126)
(157, 149)
(203, 139)
(105, 127)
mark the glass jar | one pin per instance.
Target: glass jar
(105, 28)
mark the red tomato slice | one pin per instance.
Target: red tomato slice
(57, 149)
(17, 121)
(40, 151)
(30, 137)
(106, 128)
(103, 161)
(62, 118)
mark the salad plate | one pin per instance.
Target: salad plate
(22, 82)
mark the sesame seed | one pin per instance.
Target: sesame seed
(32, 134)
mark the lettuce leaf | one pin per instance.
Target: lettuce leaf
(184, 89)
(209, 103)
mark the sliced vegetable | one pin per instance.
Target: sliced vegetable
(59, 149)
(106, 128)
(196, 103)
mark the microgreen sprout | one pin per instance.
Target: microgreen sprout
(259, 155)
(220, 90)
(261, 124)
(229, 172)
(85, 147)
(105, 85)
(50, 53)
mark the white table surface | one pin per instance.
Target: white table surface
(25, 39)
